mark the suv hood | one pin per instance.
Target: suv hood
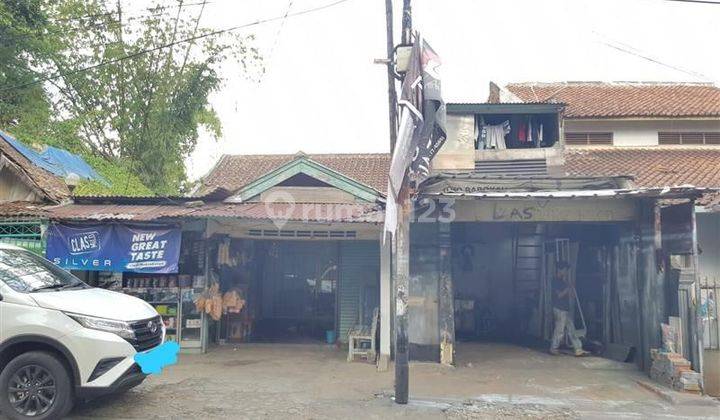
(96, 302)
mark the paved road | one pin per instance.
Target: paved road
(315, 382)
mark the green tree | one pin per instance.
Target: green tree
(113, 89)
(145, 111)
(26, 40)
(21, 27)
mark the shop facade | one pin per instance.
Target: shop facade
(483, 261)
(161, 262)
(236, 280)
(293, 256)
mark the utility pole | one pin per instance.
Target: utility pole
(392, 93)
(402, 263)
(407, 22)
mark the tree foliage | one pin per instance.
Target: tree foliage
(120, 181)
(21, 26)
(115, 91)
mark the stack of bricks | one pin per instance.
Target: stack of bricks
(674, 371)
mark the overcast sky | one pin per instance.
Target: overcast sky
(322, 93)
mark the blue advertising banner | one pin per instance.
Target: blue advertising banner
(114, 247)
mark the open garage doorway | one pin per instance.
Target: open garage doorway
(503, 276)
(296, 291)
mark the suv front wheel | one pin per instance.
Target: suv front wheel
(35, 385)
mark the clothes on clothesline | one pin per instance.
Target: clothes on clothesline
(530, 132)
(493, 136)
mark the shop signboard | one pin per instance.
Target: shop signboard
(114, 247)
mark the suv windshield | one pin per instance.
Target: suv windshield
(26, 272)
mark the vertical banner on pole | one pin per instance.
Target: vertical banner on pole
(421, 135)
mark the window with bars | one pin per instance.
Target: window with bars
(589, 139)
(689, 138)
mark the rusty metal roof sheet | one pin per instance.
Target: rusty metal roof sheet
(22, 209)
(305, 212)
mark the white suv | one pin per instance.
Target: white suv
(61, 339)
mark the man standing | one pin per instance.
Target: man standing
(563, 290)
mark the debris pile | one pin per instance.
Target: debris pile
(673, 370)
(506, 410)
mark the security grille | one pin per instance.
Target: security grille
(709, 323)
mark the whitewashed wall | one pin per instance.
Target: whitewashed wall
(639, 132)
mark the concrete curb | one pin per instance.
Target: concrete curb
(678, 398)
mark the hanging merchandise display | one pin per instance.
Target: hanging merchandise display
(236, 269)
(233, 301)
(173, 295)
(210, 302)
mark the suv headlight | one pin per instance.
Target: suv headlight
(120, 328)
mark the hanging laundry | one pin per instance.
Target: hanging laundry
(522, 132)
(493, 136)
(539, 136)
(530, 131)
(479, 142)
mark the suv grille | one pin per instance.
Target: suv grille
(145, 338)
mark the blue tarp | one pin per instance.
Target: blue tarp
(56, 161)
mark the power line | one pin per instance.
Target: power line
(182, 41)
(697, 1)
(277, 39)
(628, 49)
(59, 31)
(109, 24)
(150, 9)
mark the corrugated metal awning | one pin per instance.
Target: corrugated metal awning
(305, 212)
(474, 185)
(667, 192)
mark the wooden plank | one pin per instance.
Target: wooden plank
(652, 298)
(696, 343)
(402, 286)
(446, 297)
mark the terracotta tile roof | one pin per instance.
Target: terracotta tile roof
(52, 186)
(654, 166)
(232, 172)
(624, 99)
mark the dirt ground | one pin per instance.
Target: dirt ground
(314, 381)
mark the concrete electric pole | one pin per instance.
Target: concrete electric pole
(402, 262)
(392, 93)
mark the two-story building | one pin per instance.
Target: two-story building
(662, 133)
(515, 211)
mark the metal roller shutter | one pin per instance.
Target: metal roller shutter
(359, 283)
